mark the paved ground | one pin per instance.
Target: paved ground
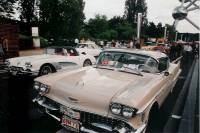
(16, 114)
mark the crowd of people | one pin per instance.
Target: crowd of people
(189, 50)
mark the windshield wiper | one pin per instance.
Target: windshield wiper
(135, 70)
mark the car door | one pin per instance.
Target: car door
(71, 55)
(165, 79)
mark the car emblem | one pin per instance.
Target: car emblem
(18, 63)
(70, 112)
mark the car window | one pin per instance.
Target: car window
(163, 64)
(71, 52)
(54, 51)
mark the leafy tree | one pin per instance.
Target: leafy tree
(160, 30)
(132, 8)
(97, 26)
(6, 8)
(151, 30)
(109, 35)
(125, 31)
(61, 18)
(27, 9)
(115, 22)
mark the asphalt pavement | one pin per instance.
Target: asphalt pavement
(18, 113)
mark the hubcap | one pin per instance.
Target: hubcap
(46, 70)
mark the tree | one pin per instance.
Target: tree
(6, 8)
(160, 30)
(125, 31)
(97, 26)
(151, 30)
(27, 9)
(61, 18)
(132, 8)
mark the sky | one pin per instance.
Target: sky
(158, 11)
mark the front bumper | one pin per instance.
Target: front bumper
(90, 123)
(21, 71)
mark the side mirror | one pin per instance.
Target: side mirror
(83, 53)
(166, 73)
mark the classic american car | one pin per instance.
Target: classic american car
(55, 58)
(89, 48)
(119, 94)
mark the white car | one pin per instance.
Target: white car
(89, 48)
(54, 59)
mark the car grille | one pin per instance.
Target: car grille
(14, 68)
(86, 119)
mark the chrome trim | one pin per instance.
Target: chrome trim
(102, 126)
(83, 129)
(45, 105)
(58, 119)
(141, 129)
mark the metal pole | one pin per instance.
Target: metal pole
(176, 36)
(139, 26)
(196, 26)
(165, 33)
(181, 36)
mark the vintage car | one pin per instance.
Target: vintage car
(55, 58)
(89, 48)
(119, 94)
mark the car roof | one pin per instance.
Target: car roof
(153, 54)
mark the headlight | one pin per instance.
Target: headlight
(41, 88)
(36, 85)
(128, 112)
(125, 111)
(28, 65)
(116, 108)
(7, 62)
(44, 88)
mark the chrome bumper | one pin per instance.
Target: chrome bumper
(47, 107)
(21, 71)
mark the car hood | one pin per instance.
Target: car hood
(19, 61)
(92, 89)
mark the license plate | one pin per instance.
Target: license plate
(70, 124)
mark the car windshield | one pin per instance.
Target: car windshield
(54, 51)
(61, 51)
(127, 62)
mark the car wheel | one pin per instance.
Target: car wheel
(46, 69)
(87, 63)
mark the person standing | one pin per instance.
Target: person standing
(188, 51)
(173, 51)
(2, 50)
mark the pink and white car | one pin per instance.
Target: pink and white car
(89, 48)
(54, 59)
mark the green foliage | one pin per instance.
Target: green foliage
(97, 26)
(27, 10)
(6, 8)
(109, 35)
(132, 8)
(125, 31)
(43, 42)
(61, 18)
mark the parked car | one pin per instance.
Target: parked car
(119, 94)
(89, 48)
(54, 59)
